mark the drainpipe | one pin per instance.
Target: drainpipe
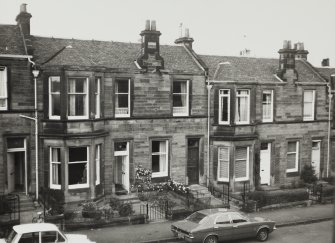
(209, 87)
(330, 96)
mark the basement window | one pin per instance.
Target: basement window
(292, 156)
(78, 167)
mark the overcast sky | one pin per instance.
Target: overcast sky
(219, 27)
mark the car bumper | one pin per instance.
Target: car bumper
(183, 236)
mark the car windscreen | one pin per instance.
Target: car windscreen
(11, 236)
(196, 217)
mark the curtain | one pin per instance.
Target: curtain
(72, 97)
(308, 104)
(242, 105)
(3, 88)
(266, 106)
(55, 160)
(183, 91)
(162, 157)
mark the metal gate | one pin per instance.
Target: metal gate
(222, 193)
(9, 212)
(155, 211)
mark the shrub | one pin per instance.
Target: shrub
(125, 209)
(114, 203)
(90, 210)
(265, 198)
(308, 174)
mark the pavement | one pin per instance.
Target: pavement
(160, 231)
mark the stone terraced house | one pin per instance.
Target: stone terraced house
(105, 108)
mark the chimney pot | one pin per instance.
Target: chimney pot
(187, 33)
(289, 46)
(147, 25)
(23, 8)
(153, 25)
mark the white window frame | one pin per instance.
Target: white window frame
(51, 116)
(161, 173)
(248, 108)
(84, 185)
(313, 106)
(271, 115)
(54, 186)
(221, 94)
(223, 179)
(97, 163)
(86, 100)
(247, 165)
(97, 97)
(4, 97)
(296, 168)
(175, 109)
(116, 96)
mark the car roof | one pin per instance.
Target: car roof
(212, 211)
(34, 227)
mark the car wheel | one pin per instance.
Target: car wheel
(211, 239)
(262, 235)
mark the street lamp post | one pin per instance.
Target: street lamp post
(35, 119)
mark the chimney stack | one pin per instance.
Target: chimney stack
(287, 62)
(23, 19)
(150, 58)
(301, 52)
(186, 39)
(325, 62)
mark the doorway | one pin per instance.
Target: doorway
(193, 161)
(16, 165)
(265, 163)
(316, 144)
(121, 166)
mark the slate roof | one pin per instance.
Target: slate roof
(57, 51)
(11, 42)
(326, 72)
(252, 69)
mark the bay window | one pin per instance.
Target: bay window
(54, 97)
(3, 89)
(55, 168)
(78, 167)
(224, 106)
(241, 163)
(267, 106)
(77, 98)
(242, 112)
(292, 156)
(180, 98)
(122, 98)
(159, 158)
(223, 164)
(309, 104)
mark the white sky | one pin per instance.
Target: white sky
(219, 27)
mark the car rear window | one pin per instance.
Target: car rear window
(196, 217)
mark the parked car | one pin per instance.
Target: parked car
(42, 233)
(214, 225)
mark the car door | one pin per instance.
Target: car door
(223, 227)
(242, 227)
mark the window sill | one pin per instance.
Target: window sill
(242, 179)
(77, 117)
(71, 187)
(55, 187)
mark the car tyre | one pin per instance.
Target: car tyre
(211, 239)
(262, 235)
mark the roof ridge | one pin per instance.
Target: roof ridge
(242, 57)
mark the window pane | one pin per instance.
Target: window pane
(78, 154)
(3, 85)
(241, 162)
(55, 104)
(77, 105)
(15, 143)
(155, 146)
(224, 108)
(224, 162)
(155, 163)
(267, 105)
(56, 174)
(242, 105)
(159, 156)
(77, 173)
(241, 153)
(122, 101)
(29, 238)
(291, 161)
(291, 147)
(49, 236)
(120, 146)
(55, 84)
(122, 86)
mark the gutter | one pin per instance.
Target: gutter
(16, 56)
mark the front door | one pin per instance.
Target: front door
(193, 161)
(265, 162)
(316, 157)
(121, 166)
(16, 171)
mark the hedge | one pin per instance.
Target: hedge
(265, 198)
